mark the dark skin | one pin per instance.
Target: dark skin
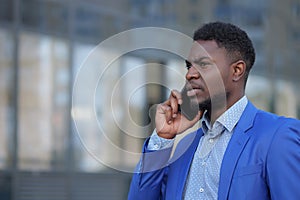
(212, 77)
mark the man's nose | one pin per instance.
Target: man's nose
(192, 73)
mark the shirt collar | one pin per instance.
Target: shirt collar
(228, 119)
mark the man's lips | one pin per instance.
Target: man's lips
(193, 88)
(193, 91)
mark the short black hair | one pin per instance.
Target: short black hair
(232, 38)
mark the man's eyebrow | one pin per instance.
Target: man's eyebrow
(198, 60)
(189, 63)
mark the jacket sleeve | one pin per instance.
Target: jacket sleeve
(283, 162)
(149, 179)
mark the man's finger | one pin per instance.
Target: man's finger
(176, 94)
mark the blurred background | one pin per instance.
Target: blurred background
(44, 42)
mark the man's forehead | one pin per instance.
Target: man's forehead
(203, 48)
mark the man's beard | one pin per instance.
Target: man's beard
(215, 102)
(205, 105)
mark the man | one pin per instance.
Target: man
(239, 153)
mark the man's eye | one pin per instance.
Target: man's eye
(203, 64)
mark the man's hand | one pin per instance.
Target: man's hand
(168, 121)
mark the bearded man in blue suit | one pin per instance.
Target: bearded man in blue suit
(239, 153)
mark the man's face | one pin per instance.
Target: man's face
(208, 76)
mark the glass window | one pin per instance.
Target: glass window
(88, 146)
(45, 16)
(263, 94)
(6, 10)
(43, 102)
(108, 108)
(6, 90)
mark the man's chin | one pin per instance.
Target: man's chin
(204, 104)
(215, 102)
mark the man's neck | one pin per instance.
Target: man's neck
(215, 112)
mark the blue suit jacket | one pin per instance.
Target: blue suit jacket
(262, 161)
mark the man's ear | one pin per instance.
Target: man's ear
(238, 69)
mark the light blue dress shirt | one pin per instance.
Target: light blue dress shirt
(204, 174)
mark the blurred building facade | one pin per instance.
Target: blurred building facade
(43, 44)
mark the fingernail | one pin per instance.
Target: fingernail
(174, 115)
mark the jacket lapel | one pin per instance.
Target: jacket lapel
(185, 164)
(235, 147)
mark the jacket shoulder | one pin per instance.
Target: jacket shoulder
(275, 120)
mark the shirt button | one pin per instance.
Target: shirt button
(211, 140)
(156, 146)
(201, 190)
(203, 163)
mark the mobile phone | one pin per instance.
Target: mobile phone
(187, 108)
